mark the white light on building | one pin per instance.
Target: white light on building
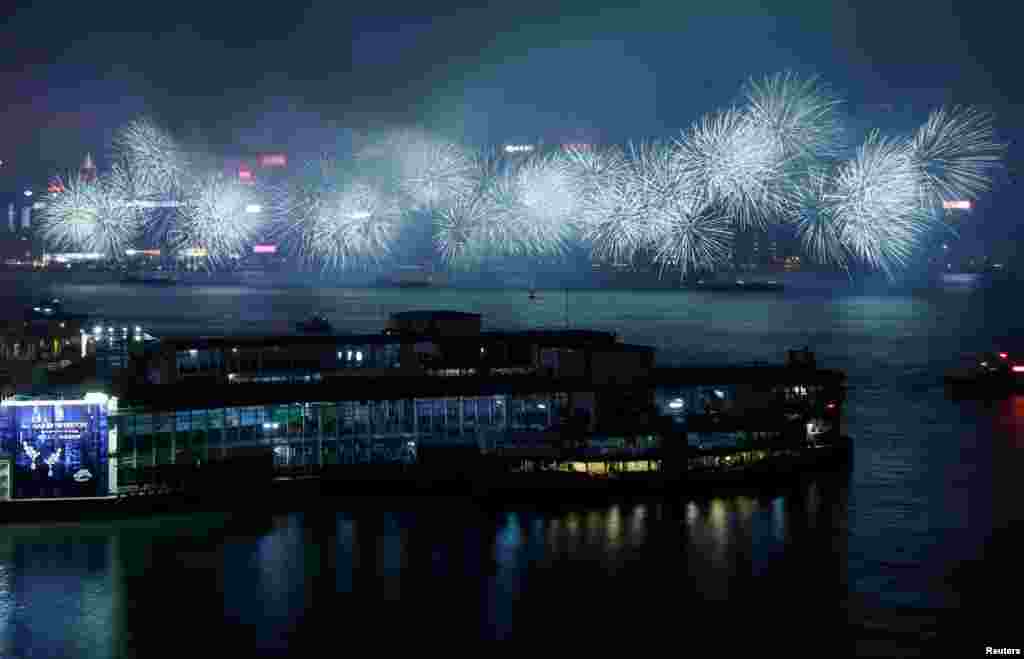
(518, 148)
(253, 208)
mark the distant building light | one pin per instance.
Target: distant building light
(1018, 369)
(518, 148)
(957, 205)
(273, 160)
(28, 193)
(37, 206)
(151, 203)
(244, 174)
(253, 208)
(265, 249)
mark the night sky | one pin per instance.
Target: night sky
(241, 77)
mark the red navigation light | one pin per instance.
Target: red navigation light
(244, 174)
(1003, 355)
(831, 406)
(1018, 368)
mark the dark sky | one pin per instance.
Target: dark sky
(260, 75)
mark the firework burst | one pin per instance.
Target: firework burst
(151, 162)
(800, 113)
(693, 236)
(955, 153)
(468, 229)
(876, 204)
(817, 226)
(539, 199)
(613, 218)
(427, 169)
(356, 225)
(740, 164)
(216, 218)
(90, 216)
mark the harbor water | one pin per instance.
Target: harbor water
(909, 542)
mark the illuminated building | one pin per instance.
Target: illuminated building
(580, 398)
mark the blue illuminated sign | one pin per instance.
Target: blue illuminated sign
(58, 448)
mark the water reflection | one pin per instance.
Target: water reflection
(274, 581)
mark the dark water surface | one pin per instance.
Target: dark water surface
(916, 535)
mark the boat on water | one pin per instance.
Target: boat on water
(151, 278)
(48, 307)
(988, 374)
(737, 286)
(411, 277)
(315, 323)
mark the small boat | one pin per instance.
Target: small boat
(156, 278)
(49, 307)
(738, 286)
(992, 373)
(315, 323)
(533, 294)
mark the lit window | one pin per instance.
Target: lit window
(348, 355)
(359, 355)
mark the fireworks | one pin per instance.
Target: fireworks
(740, 164)
(816, 224)
(613, 216)
(800, 113)
(876, 204)
(216, 218)
(955, 152)
(770, 159)
(427, 169)
(150, 162)
(693, 235)
(356, 224)
(541, 202)
(89, 216)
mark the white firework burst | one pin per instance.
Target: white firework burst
(955, 153)
(802, 113)
(89, 215)
(152, 163)
(216, 218)
(355, 225)
(540, 200)
(614, 220)
(817, 226)
(428, 169)
(468, 229)
(877, 206)
(693, 235)
(740, 164)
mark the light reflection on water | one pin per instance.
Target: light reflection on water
(266, 579)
